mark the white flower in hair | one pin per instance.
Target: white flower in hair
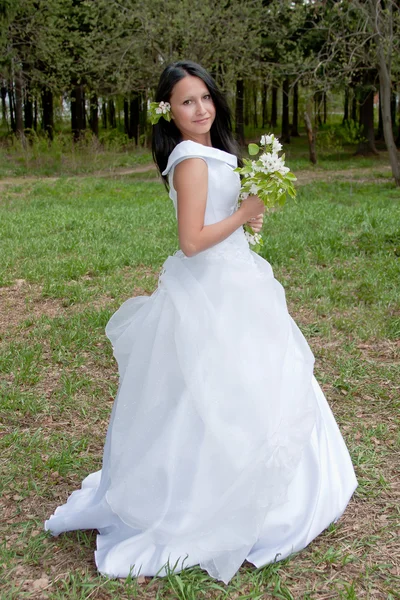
(163, 108)
(158, 110)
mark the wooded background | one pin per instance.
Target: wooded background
(103, 58)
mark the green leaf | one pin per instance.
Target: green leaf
(253, 149)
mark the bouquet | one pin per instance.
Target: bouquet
(266, 177)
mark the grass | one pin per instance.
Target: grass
(72, 250)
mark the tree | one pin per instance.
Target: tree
(381, 21)
(362, 39)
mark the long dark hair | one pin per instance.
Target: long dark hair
(166, 135)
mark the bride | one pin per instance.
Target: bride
(221, 445)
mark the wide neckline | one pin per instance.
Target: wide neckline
(208, 151)
(206, 147)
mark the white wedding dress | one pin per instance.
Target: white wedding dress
(221, 445)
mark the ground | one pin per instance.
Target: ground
(73, 248)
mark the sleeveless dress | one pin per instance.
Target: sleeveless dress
(221, 445)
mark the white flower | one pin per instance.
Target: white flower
(266, 139)
(250, 238)
(271, 162)
(276, 146)
(254, 189)
(163, 108)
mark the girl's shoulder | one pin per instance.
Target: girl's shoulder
(190, 149)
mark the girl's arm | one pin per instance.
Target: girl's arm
(191, 185)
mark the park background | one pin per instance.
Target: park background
(85, 223)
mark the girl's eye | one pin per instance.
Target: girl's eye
(207, 96)
(186, 102)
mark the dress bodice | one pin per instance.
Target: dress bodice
(223, 182)
(222, 196)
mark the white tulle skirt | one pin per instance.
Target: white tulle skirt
(221, 445)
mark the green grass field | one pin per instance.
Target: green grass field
(73, 248)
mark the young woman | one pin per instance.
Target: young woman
(221, 445)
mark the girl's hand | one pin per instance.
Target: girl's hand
(256, 223)
(251, 207)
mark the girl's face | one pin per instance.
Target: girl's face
(192, 109)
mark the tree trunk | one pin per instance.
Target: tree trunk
(48, 112)
(35, 114)
(393, 105)
(325, 108)
(4, 115)
(274, 106)
(94, 114)
(264, 104)
(27, 99)
(111, 114)
(126, 118)
(295, 125)
(239, 111)
(28, 111)
(143, 124)
(311, 139)
(104, 113)
(11, 104)
(134, 117)
(83, 108)
(367, 146)
(255, 120)
(317, 107)
(384, 79)
(354, 107)
(379, 134)
(246, 104)
(346, 105)
(77, 111)
(285, 135)
(19, 121)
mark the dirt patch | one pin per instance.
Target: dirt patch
(23, 301)
(386, 351)
(8, 181)
(364, 175)
(304, 177)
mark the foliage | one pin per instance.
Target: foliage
(112, 151)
